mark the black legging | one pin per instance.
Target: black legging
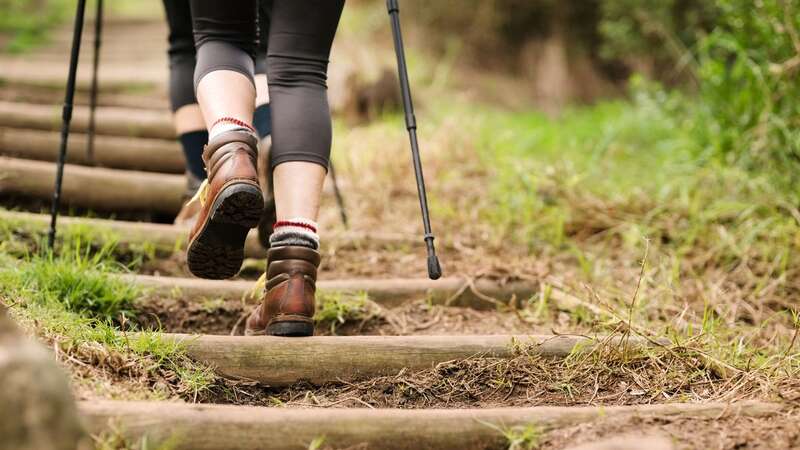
(300, 37)
(182, 55)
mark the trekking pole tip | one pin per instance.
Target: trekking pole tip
(434, 269)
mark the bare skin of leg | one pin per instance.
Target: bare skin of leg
(298, 189)
(225, 93)
(262, 92)
(188, 118)
(262, 98)
(298, 185)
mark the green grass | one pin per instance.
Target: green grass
(336, 309)
(77, 299)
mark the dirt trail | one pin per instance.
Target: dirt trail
(391, 339)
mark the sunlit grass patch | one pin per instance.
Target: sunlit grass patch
(77, 300)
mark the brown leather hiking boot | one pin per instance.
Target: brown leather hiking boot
(288, 305)
(231, 205)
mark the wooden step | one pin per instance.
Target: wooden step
(114, 152)
(276, 361)
(455, 291)
(168, 238)
(113, 77)
(220, 427)
(99, 188)
(110, 120)
(94, 187)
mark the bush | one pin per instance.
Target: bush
(28, 21)
(747, 68)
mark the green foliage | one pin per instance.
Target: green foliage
(523, 437)
(336, 309)
(78, 299)
(658, 31)
(748, 68)
(28, 21)
(81, 280)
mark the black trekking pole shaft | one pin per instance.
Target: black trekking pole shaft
(66, 117)
(98, 35)
(338, 194)
(434, 269)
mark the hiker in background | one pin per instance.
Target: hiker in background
(301, 33)
(188, 120)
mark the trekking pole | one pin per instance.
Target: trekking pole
(338, 194)
(434, 269)
(66, 117)
(98, 33)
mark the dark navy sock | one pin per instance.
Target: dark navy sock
(193, 144)
(262, 120)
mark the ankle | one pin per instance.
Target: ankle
(225, 124)
(297, 231)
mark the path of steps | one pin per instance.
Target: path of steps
(140, 167)
(204, 427)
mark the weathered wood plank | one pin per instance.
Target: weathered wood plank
(94, 187)
(170, 237)
(276, 361)
(217, 427)
(110, 120)
(152, 155)
(388, 292)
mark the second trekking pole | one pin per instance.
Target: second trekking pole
(66, 118)
(98, 34)
(434, 269)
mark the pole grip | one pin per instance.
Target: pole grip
(393, 6)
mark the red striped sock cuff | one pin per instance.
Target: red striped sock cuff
(233, 121)
(305, 224)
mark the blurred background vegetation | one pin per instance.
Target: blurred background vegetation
(728, 69)
(732, 63)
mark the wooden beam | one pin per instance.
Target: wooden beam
(167, 238)
(110, 120)
(218, 427)
(389, 292)
(94, 187)
(152, 155)
(275, 361)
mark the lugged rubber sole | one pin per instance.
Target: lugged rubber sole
(217, 252)
(290, 329)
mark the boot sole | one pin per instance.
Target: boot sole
(290, 329)
(217, 252)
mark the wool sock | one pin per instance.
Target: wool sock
(262, 120)
(225, 124)
(192, 144)
(296, 231)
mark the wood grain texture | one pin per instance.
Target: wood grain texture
(278, 361)
(170, 237)
(387, 292)
(207, 427)
(114, 152)
(94, 187)
(110, 120)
